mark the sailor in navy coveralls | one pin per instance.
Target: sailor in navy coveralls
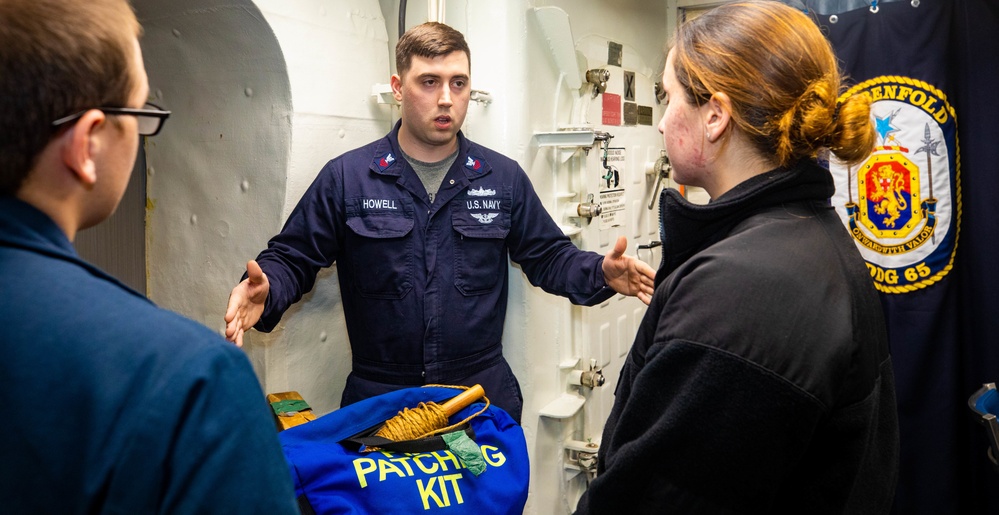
(113, 405)
(424, 275)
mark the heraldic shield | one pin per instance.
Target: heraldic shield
(902, 204)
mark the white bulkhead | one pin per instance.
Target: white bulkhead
(264, 92)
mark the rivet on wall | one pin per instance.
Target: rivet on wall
(150, 171)
(342, 133)
(248, 92)
(194, 219)
(176, 33)
(322, 336)
(245, 186)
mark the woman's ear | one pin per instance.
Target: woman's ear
(717, 113)
(81, 144)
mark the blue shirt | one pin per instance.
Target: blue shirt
(114, 405)
(424, 286)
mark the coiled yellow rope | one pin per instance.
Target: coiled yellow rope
(411, 424)
(427, 419)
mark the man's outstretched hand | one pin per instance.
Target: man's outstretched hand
(246, 303)
(627, 275)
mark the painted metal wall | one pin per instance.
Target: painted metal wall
(263, 95)
(513, 60)
(335, 52)
(265, 92)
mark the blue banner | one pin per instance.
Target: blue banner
(922, 211)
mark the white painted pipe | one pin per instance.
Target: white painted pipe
(435, 10)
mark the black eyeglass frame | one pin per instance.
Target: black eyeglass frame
(155, 112)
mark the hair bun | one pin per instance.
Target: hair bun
(853, 136)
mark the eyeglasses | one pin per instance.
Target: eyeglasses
(150, 117)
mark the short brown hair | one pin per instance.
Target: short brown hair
(428, 40)
(58, 57)
(781, 76)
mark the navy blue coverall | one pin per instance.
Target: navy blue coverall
(424, 286)
(118, 406)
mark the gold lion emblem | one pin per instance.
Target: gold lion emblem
(887, 194)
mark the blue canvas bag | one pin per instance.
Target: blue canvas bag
(332, 476)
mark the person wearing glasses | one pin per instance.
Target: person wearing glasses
(113, 404)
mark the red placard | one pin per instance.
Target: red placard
(612, 109)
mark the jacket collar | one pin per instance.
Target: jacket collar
(25, 227)
(386, 158)
(687, 228)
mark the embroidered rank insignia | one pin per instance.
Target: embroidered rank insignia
(481, 192)
(473, 164)
(902, 205)
(385, 161)
(484, 218)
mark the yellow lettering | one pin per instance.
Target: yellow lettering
(913, 274)
(883, 276)
(889, 250)
(928, 105)
(492, 455)
(361, 469)
(927, 101)
(904, 92)
(448, 456)
(385, 467)
(941, 115)
(402, 461)
(453, 478)
(921, 238)
(427, 492)
(426, 470)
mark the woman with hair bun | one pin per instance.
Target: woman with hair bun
(760, 379)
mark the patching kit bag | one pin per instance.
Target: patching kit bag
(479, 467)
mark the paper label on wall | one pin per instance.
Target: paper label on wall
(613, 163)
(615, 158)
(612, 208)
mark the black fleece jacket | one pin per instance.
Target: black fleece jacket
(760, 378)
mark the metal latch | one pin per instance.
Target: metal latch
(662, 170)
(592, 378)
